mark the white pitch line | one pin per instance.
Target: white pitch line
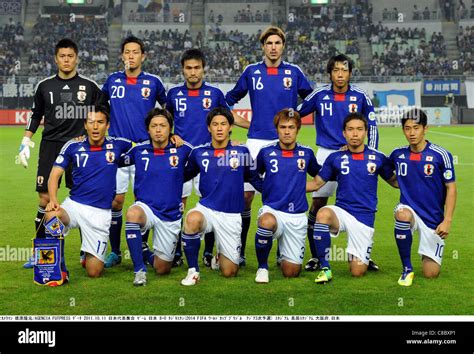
(449, 134)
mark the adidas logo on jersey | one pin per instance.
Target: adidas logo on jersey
(257, 72)
(66, 87)
(144, 152)
(179, 93)
(402, 156)
(205, 153)
(326, 98)
(118, 80)
(344, 157)
(273, 153)
(82, 148)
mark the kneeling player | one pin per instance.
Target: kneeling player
(224, 169)
(94, 161)
(159, 178)
(356, 171)
(425, 174)
(283, 215)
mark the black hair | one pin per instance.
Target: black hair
(355, 116)
(341, 58)
(101, 109)
(194, 53)
(66, 43)
(220, 111)
(416, 114)
(159, 112)
(133, 39)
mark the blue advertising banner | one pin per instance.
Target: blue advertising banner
(441, 87)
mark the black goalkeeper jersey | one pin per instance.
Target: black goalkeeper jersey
(64, 105)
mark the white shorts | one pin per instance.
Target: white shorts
(291, 233)
(165, 233)
(360, 237)
(226, 227)
(124, 176)
(330, 187)
(188, 187)
(254, 146)
(431, 245)
(94, 223)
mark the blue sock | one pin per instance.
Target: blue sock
(191, 245)
(134, 241)
(209, 240)
(322, 242)
(312, 246)
(114, 231)
(263, 246)
(404, 239)
(246, 218)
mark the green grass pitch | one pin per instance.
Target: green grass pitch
(377, 293)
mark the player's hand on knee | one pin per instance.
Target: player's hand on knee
(177, 140)
(24, 151)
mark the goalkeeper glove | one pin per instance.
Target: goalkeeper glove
(24, 153)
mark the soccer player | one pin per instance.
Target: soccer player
(272, 84)
(283, 215)
(224, 169)
(94, 161)
(190, 103)
(331, 104)
(132, 93)
(159, 178)
(356, 171)
(64, 101)
(425, 175)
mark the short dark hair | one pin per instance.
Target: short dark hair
(287, 114)
(341, 58)
(220, 111)
(193, 53)
(270, 31)
(416, 114)
(355, 116)
(102, 109)
(133, 39)
(66, 43)
(159, 112)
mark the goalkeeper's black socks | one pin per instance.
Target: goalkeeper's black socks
(39, 223)
(209, 240)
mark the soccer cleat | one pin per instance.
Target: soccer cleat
(215, 263)
(30, 263)
(191, 278)
(324, 276)
(406, 279)
(242, 261)
(140, 278)
(312, 265)
(112, 260)
(177, 261)
(372, 266)
(83, 259)
(207, 259)
(262, 276)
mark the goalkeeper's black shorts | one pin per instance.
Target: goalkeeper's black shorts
(48, 152)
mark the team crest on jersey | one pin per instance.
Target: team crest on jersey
(428, 169)
(174, 160)
(301, 164)
(234, 163)
(371, 167)
(287, 82)
(81, 96)
(206, 103)
(110, 156)
(146, 92)
(353, 108)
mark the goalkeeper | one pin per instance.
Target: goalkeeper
(63, 100)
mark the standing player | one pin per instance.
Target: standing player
(224, 169)
(272, 85)
(190, 103)
(94, 161)
(356, 171)
(331, 105)
(158, 164)
(283, 215)
(425, 174)
(64, 101)
(132, 93)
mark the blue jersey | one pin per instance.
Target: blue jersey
(422, 177)
(357, 177)
(331, 108)
(223, 173)
(131, 98)
(270, 90)
(159, 177)
(190, 109)
(284, 184)
(94, 169)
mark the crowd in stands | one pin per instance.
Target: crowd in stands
(12, 44)
(465, 42)
(89, 33)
